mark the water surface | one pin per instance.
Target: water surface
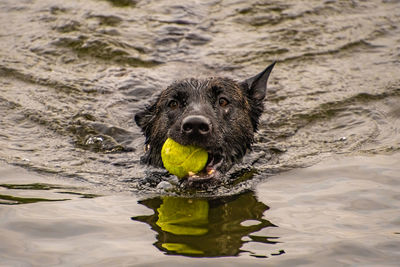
(340, 212)
(73, 74)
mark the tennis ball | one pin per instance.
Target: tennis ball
(183, 160)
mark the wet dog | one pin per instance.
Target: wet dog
(217, 114)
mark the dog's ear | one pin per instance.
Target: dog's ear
(143, 118)
(256, 86)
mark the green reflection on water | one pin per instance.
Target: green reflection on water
(183, 216)
(14, 200)
(11, 200)
(201, 227)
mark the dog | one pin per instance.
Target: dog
(218, 114)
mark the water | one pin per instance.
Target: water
(340, 212)
(73, 74)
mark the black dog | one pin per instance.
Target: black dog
(218, 114)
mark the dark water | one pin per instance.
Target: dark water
(73, 73)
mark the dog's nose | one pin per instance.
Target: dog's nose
(196, 125)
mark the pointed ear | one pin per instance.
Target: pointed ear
(257, 85)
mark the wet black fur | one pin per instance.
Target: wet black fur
(232, 125)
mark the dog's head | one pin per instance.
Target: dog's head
(218, 114)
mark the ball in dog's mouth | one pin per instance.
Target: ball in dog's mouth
(182, 160)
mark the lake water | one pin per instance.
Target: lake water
(344, 211)
(321, 185)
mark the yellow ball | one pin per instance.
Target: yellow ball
(182, 160)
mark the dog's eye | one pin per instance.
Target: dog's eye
(173, 104)
(223, 102)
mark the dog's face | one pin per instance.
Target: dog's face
(218, 114)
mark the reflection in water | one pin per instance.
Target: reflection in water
(10, 199)
(207, 227)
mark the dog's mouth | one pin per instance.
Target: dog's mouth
(211, 170)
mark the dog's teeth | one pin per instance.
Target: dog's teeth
(210, 171)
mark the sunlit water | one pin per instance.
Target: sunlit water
(73, 73)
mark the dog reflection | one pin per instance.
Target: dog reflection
(206, 227)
